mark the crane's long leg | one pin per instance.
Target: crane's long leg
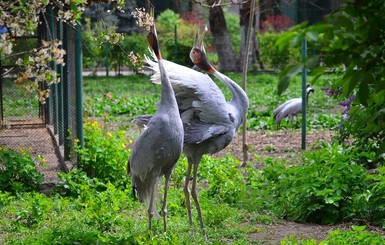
(194, 194)
(187, 192)
(150, 208)
(164, 208)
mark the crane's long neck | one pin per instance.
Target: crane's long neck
(239, 99)
(167, 96)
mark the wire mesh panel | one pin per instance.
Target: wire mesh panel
(60, 112)
(19, 105)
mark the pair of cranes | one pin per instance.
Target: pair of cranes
(193, 117)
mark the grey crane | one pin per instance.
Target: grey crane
(209, 121)
(159, 145)
(291, 107)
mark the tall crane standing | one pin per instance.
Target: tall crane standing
(159, 145)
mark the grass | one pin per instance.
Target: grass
(233, 200)
(19, 104)
(121, 99)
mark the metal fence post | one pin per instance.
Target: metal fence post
(304, 97)
(60, 87)
(65, 86)
(52, 30)
(79, 84)
(106, 61)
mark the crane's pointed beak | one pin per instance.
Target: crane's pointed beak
(198, 53)
(199, 37)
(152, 37)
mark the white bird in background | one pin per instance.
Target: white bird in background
(290, 108)
(209, 121)
(160, 144)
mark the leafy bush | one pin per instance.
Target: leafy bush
(274, 57)
(179, 52)
(370, 204)
(18, 172)
(76, 182)
(104, 154)
(321, 188)
(224, 179)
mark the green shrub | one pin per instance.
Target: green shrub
(104, 154)
(76, 182)
(179, 53)
(370, 204)
(321, 188)
(226, 182)
(18, 172)
(272, 56)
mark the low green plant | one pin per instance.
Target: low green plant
(357, 235)
(104, 155)
(370, 204)
(321, 188)
(18, 171)
(76, 182)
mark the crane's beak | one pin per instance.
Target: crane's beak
(199, 37)
(198, 44)
(152, 38)
(198, 53)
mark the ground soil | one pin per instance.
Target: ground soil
(285, 144)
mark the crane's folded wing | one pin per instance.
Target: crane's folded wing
(194, 91)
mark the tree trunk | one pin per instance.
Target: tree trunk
(221, 39)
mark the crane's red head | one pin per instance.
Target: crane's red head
(152, 38)
(198, 53)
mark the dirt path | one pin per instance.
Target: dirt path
(276, 144)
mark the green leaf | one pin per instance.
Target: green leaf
(312, 35)
(284, 40)
(312, 61)
(297, 40)
(283, 84)
(363, 93)
(287, 75)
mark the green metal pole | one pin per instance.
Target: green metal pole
(44, 85)
(60, 88)
(53, 66)
(79, 84)
(106, 62)
(65, 85)
(304, 96)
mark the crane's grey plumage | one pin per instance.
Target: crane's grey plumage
(142, 120)
(290, 108)
(160, 144)
(209, 121)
